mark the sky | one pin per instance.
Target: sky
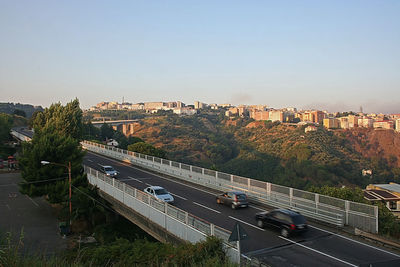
(336, 55)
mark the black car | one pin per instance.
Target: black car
(288, 221)
(234, 199)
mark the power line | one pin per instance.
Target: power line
(93, 199)
(39, 181)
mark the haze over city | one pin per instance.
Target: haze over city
(336, 55)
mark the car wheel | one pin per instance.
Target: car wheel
(233, 206)
(219, 201)
(260, 223)
(284, 232)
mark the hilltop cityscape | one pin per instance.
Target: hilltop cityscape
(337, 120)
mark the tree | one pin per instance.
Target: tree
(56, 139)
(148, 149)
(64, 120)
(5, 127)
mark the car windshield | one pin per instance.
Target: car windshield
(299, 219)
(241, 197)
(161, 191)
(108, 169)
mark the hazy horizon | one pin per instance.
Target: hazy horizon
(334, 56)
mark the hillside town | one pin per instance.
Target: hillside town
(329, 120)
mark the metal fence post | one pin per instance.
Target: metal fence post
(212, 227)
(291, 197)
(347, 208)
(376, 211)
(316, 203)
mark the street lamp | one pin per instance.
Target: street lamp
(43, 162)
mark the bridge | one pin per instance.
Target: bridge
(125, 126)
(195, 213)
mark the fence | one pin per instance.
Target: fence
(176, 221)
(327, 209)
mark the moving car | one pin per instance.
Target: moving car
(234, 199)
(288, 221)
(109, 171)
(160, 193)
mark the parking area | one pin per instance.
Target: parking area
(34, 216)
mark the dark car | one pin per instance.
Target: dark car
(288, 221)
(234, 199)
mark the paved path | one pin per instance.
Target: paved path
(35, 216)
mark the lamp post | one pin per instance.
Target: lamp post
(43, 162)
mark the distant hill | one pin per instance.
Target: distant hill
(9, 108)
(275, 152)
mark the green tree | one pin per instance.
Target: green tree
(148, 149)
(5, 127)
(65, 120)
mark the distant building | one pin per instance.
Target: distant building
(386, 193)
(259, 115)
(398, 125)
(365, 122)
(184, 111)
(383, 125)
(344, 122)
(276, 115)
(310, 128)
(353, 121)
(112, 142)
(331, 123)
(199, 105)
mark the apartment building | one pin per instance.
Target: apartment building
(383, 124)
(259, 115)
(331, 123)
(398, 125)
(365, 122)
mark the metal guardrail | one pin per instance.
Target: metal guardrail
(176, 221)
(335, 211)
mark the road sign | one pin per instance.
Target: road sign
(238, 233)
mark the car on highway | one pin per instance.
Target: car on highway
(287, 221)
(109, 171)
(159, 193)
(235, 199)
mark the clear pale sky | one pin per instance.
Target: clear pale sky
(335, 55)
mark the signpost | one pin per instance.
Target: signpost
(238, 233)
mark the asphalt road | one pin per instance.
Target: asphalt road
(317, 247)
(32, 216)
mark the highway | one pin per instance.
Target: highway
(317, 247)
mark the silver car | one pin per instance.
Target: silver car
(159, 193)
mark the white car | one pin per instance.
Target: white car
(160, 193)
(109, 171)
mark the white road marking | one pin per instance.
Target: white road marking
(90, 160)
(175, 195)
(322, 253)
(33, 201)
(135, 179)
(254, 207)
(148, 184)
(8, 207)
(198, 204)
(249, 224)
(358, 242)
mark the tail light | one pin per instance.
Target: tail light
(236, 198)
(292, 226)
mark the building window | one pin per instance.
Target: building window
(392, 205)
